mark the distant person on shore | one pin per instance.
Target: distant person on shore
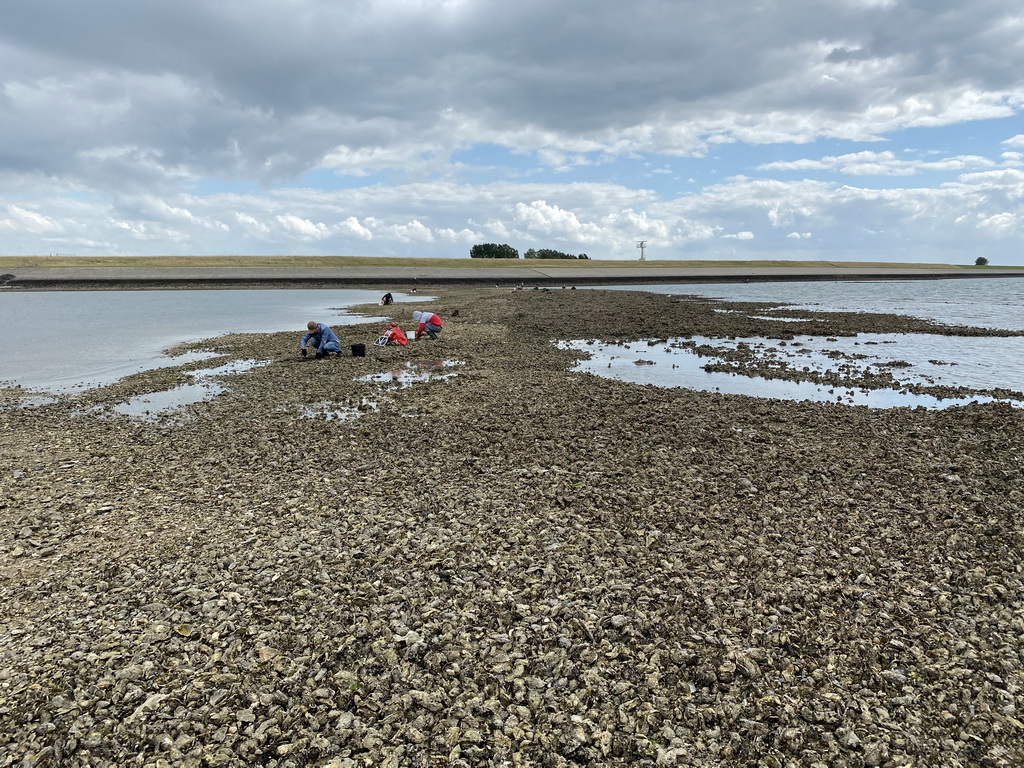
(428, 323)
(321, 338)
(387, 299)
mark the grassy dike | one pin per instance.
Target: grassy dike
(199, 262)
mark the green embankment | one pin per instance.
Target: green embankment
(53, 262)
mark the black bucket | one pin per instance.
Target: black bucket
(358, 350)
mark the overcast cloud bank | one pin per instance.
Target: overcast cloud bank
(828, 129)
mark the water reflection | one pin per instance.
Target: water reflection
(26, 401)
(60, 341)
(406, 375)
(412, 372)
(675, 363)
(986, 303)
(154, 405)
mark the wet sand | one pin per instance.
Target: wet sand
(514, 565)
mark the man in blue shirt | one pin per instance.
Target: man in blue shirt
(321, 338)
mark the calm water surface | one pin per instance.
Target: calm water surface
(977, 362)
(982, 302)
(56, 341)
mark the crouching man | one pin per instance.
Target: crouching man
(321, 338)
(429, 324)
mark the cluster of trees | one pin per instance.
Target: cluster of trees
(505, 251)
(547, 253)
(493, 251)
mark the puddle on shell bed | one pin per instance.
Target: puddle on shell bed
(332, 411)
(152, 405)
(911, 358)
(413, 372)
(406, 375)
(28, 401)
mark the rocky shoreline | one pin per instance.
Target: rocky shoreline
(510, 564)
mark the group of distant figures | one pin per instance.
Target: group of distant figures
(324, 341)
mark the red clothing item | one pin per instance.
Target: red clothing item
(395, 334)
(433, 320)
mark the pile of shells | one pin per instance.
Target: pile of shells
(516, 565)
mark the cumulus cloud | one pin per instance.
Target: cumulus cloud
(1000, 225)
(413, 232)
(352, 226)
(540, 217)
(252, 226)
(409, 127)
(20, 219)
(303, 228)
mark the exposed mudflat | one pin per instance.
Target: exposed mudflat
(507, 563)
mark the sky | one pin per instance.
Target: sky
(844, 130)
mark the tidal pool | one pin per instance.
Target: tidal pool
(913, 359)
(412, 372)
(152, 405)
(406, 375)
(329, 410)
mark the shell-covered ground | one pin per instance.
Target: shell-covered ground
(509, 563)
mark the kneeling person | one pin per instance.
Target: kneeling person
(321, 338)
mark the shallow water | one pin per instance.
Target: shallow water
(987, 362)
(981, 302)
(57, 341)
(412, 372)
(667, 364)
(331, 411)
(152, 405)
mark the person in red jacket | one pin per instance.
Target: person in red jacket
(429, 324)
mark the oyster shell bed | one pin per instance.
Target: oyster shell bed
(515, 565)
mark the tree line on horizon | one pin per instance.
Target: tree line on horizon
(506, 251)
